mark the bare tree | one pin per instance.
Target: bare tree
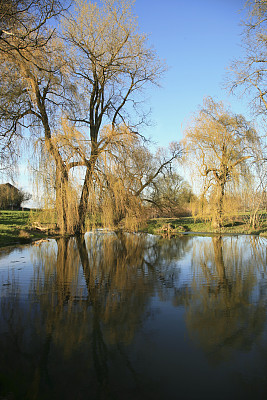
(112, 63)
(25, 32)
(124, 171)
(248, 75)
(25, 24)
(170, 194)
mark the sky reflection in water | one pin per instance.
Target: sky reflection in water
(134, 316)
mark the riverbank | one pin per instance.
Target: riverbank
(16, 227)
(239, 225)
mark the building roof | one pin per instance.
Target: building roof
(8, 185)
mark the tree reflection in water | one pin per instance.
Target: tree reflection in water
(68, 333)
(225, 309)
(87, 298)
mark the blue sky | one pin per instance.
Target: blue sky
(198, 39)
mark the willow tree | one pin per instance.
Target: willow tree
(38, 98)
(25, 30)
(35, 89)
(247, 76)
(219, 145)
(111, 63)
(32, 90)
(123, 174)
(91, 75)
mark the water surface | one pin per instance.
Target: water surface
(134, 317)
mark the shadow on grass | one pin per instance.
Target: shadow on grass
(236, 223)
(18, 218)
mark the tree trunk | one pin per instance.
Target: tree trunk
(61, 170)
(84, 200)
(83, 205)
(61, 200)
(218, 215)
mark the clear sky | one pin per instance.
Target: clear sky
(197, 39)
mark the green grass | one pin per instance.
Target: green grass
(16, 228)
(237, 225)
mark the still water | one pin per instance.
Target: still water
(134, 317)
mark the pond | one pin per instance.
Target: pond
(129, 316)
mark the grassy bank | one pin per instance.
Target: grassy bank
(16, 227)
(239, 225)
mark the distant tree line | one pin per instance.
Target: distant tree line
(11, 198)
